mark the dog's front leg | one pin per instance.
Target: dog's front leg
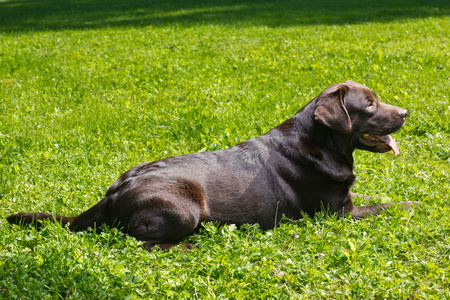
(360, 212)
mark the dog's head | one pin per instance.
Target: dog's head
(353, 109)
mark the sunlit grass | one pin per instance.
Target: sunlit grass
(88, 92)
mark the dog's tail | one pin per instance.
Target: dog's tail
(91, 218)
(35, 219)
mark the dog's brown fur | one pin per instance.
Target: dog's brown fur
(304, 164)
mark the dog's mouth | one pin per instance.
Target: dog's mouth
(381, 142)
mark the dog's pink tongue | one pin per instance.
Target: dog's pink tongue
(391, 143)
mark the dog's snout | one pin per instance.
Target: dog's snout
(402, 113)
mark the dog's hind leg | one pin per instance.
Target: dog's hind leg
(162, 226)
(167, 215)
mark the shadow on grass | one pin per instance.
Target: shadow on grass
(38, 15)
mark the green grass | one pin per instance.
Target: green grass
(89, 89)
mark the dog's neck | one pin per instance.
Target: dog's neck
(306, 141)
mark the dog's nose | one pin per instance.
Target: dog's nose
(402, 113)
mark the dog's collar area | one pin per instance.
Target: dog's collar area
(379, 141)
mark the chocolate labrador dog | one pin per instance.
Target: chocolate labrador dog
(304, 164)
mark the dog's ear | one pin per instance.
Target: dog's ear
(330, 110)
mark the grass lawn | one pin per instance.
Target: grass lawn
(91, 88)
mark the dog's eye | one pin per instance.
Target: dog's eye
(369, 105)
